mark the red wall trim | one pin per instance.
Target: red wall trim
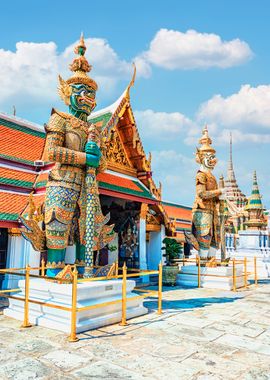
(4, 224)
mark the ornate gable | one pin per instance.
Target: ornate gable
(116, 155)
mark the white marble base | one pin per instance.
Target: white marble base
(188, 276)
(88, 293)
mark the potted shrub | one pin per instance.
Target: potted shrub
(173, 250)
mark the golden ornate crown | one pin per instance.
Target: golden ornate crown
(206, 145)
(80, 68)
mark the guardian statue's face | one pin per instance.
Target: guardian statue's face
(209, 161)
(82, 98)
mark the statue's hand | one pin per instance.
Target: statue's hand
(92, 148)
(93, 154)
(222, 196)
(92, 160)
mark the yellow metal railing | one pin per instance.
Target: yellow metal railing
(234, 276)
(74, 282)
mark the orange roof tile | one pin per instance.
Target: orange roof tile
(11, 205)
(178, 212)
(20, 146)
(15, 177)
(118, 181)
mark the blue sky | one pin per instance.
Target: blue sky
(198, 62)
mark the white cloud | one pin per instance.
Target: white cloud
(172, 49)
(29, 75)
(28, 71)
(162, 125)
(246, 114)
(249, 106)
(177, 174)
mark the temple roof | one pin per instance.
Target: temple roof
(233, 192)
(17, 178)
(180, 216)
(12, 204)
(109, 115)
(31, 140)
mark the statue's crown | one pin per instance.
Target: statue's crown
(81, 67)
(206, 142)
(206, 145)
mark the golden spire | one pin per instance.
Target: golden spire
(81, 67)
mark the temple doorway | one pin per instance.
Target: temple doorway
(125, 215)
(3, 251)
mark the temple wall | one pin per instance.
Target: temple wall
(70, 254)
(142, 244)
(19, 254)
(154, 253)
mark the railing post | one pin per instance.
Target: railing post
(43, 267)
(245, 272)
(116, 267)
(26, 322)
(124, 297)
(234, 276)
(160, 288)
(73, 337)
(199, 270)
(255, 271)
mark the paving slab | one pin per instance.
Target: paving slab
(105, 370)
(245, 343)
(26, 368)
(66, 360)
(203, 334)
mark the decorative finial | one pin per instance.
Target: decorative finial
(80, 48)
(206, 141)
(80, 65)
(132, 79)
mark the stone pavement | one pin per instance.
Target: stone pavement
(202, 334)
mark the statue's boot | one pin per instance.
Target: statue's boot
(55, 261)
(80, 259)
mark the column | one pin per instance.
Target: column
(142, 240)
(30, 256)
(15, 258)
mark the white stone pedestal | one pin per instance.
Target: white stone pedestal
(221, 277)
(263, 261)
(88, 293)
(252, 244)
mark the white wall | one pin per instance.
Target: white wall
(70, 255)
(154, 253)
(19, 254)
(142, 242)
